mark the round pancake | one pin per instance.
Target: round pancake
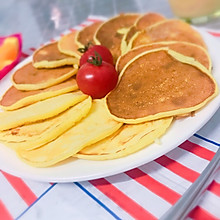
(127, 140)
(160, 83)
(185, 48)
(40, 110)
(30, 78)
(49, 56)
(85, 36)
(141, 23)
(67, 45)
(148, 19)
(169, 30)
(111, 32)
(14, 98)
(96, 126)
(31, 136)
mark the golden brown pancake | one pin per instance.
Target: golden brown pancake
(85, 36)
(185, 48)
(148, 19)
(111, 32)
(169, 30)
(30, 78)
(49, 56)
(141, 24)
(67, 45)
(160, 83)
(14, 98)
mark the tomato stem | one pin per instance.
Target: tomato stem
(85, 48)
(95, 60)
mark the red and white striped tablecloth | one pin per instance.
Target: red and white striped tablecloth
(145, 192)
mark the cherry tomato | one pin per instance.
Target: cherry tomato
(90, 51)
(96, 80)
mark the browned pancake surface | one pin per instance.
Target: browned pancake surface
(109, 36)
(169, 30)
(13, 95)
(87, 33)
(156, 83)
(49, 52)
(30, 75)
(191, 50)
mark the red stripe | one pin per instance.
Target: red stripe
(4, 213)
(121, 199)
(93, 20)
(32, 48)
(216, 34)
(197, 150)
(52, 40)
(201, 214)
(24, 54)
(83, 25)
(178, 168)
(22, 189)
(72, 29)
(214, 187)
(154, 186)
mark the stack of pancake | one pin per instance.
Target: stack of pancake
(164, 73)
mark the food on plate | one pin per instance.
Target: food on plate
(96, 77)
(29, 78)
(40, 110)
(168, 30)
(49, 56)
(127, 140)
(33, 135)
(90, 51)
(14, 98)
(67, 45)
(85, 36)
(160, 83)
(141, 24)
(116, 98)
(111, 32)
(188, 49)
(96, 126)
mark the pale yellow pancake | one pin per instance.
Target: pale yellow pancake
(67, 45)
(30, 78)
(14, 98)
(126, 140)
(86, 132)
(40, 110)
(160, 83)
(33, 135)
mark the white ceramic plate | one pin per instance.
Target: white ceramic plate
(79, 170)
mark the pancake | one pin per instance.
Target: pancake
(148, 19)
(141, 23)
(14, 98)
(67, 45)
(126, 140)
(185, 48)
(49, 56)
(33, 135)
(169, 30)
(30, 78)
(96, 126)
(160, 83)
(85, 36)
(111, 32)
(40, 110)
